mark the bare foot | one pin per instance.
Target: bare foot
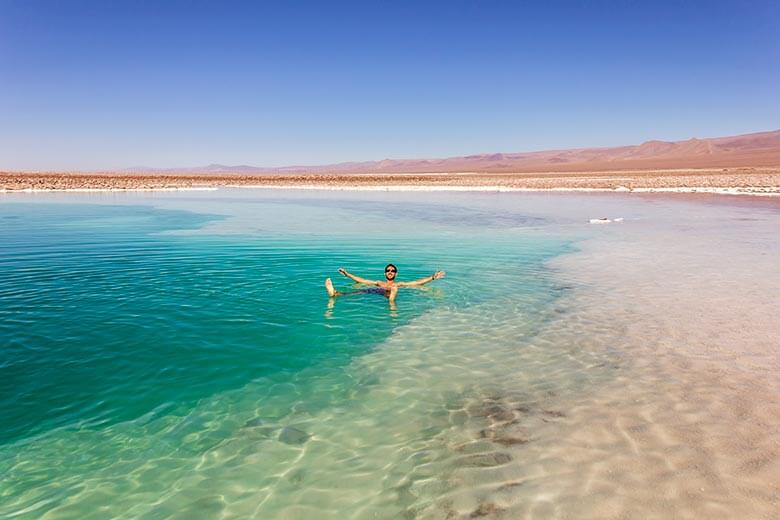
(329, 287)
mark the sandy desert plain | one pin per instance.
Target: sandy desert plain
(747, 164)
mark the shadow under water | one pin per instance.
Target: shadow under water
(615, 381)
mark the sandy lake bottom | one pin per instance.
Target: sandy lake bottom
(175, 355)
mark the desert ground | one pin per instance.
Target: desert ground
(747, 163)
(748, 180)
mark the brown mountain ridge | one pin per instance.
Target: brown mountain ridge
(760, 149)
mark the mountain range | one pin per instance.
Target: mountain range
(748, 150)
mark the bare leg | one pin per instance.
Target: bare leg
(332, 292)
(391, 299)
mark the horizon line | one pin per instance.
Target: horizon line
(140, 168)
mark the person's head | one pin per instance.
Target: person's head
(390, 272)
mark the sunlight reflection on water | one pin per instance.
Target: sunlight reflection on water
(525, 383)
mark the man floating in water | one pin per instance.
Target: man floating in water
(388, 286)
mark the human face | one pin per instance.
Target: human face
(390, 272)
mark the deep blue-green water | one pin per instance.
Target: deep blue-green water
(144, 346)
(175, 355)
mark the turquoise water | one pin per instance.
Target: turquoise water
(162, 362)
(173, 319)
(175, 355)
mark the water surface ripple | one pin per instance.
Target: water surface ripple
(177, 357)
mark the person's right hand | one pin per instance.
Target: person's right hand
(343, 271)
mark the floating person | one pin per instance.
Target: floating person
(388, 287)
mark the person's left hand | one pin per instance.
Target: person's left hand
(438, 274)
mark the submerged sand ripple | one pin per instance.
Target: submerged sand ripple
(649, 390)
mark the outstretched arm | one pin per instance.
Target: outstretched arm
(422, 281)
(357, 278)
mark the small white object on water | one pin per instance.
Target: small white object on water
(605, 220)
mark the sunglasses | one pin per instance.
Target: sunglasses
(390, 271)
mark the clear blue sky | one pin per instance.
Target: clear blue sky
(109, 84)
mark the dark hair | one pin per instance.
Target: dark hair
(391, 265)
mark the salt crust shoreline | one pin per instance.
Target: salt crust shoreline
(109, 190)
(770, 191)
(763, 191)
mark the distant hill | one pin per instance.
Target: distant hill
(749, 150)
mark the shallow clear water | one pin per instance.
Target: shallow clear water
(177, 356)
(111, 322)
